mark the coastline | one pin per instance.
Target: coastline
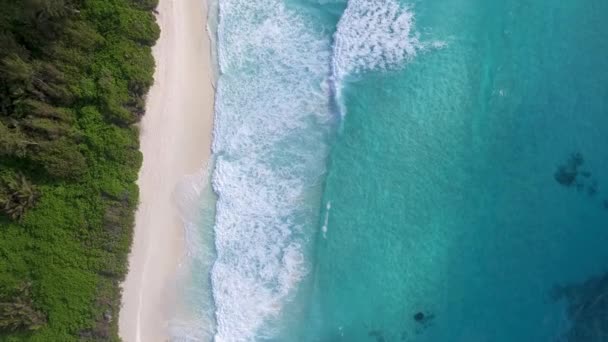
(175, 141)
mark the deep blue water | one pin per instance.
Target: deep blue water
(378, 159)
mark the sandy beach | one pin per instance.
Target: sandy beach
(175, 142)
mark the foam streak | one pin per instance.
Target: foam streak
(373, 34)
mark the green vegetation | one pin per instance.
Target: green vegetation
(73, 77)
(20, 195)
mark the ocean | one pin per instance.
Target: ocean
(416, 171)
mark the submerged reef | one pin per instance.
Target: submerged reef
(377, 334)
(423, 318)
(568, 172)
(587, 309)
(571, 174)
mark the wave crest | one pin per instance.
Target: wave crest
(374, 34)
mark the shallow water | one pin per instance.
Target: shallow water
(376, 159)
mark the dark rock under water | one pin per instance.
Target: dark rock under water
(587, 309)
(567, 172)
(377, 334)
(374, 333)
(592, 189)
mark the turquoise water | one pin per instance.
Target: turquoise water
(376, 159)
(441, 183)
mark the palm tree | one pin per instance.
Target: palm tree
(19, 313)
(22, 195)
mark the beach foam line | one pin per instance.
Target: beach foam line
(270, 145)
(194, 319)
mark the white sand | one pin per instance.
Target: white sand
(175, 141)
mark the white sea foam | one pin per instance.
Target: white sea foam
(271, 132)
(374, 34)
(193, 319)
(188, 192)
(326, 221)
(270, 145)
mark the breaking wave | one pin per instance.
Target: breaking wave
(270, 143)
(373, 34)
(280, 79)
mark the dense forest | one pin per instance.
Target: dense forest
(73, 79)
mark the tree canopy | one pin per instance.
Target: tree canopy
(73, 79)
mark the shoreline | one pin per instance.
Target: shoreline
(175, 141)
